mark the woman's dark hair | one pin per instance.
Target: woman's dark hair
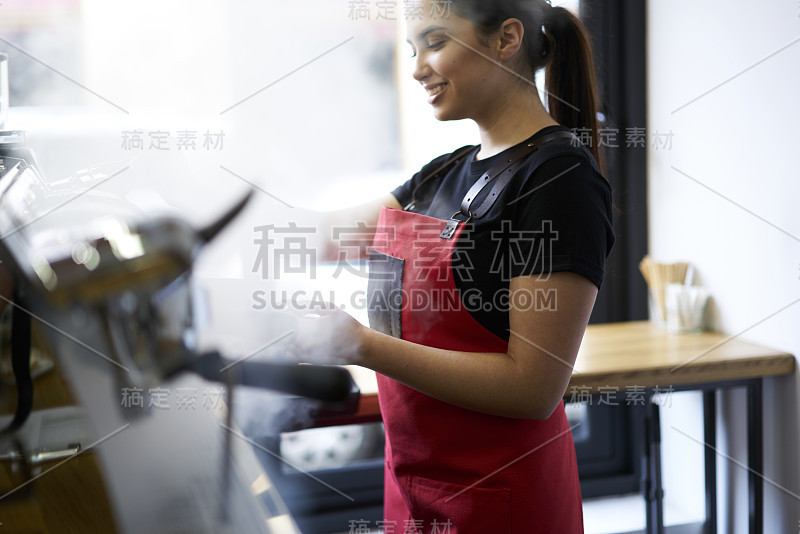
(557, 41)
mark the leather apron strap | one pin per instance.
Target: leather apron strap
(501, 174)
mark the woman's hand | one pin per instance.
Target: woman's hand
(326, 335)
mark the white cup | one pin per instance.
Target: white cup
(685, 307)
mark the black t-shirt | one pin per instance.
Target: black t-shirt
(554, 215)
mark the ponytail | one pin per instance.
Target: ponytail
(570, 79)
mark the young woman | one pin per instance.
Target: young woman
(484, 270)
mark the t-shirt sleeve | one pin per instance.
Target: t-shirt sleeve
(404, 192)
(563, 220)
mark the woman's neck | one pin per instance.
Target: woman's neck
(511, 122)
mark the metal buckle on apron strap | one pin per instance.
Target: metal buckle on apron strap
(451, 225)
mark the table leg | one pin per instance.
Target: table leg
(710, 437)
(755, 454)
(651, 487)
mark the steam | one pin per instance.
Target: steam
(265, 414)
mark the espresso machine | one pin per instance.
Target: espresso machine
(112, 289)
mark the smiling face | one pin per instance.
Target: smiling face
(455, 67)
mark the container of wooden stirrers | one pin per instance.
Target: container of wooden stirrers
(658, 276)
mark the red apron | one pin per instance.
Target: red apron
(449, 469)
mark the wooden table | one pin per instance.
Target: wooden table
(641, 355)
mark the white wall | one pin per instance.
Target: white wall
(738, 142)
